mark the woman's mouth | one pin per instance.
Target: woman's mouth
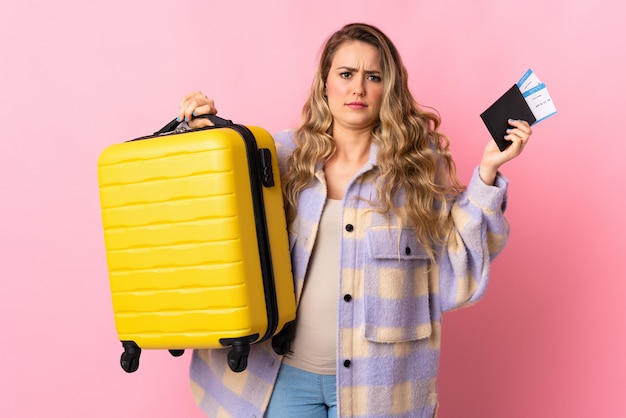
(356, 105)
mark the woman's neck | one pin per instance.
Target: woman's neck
(351, 146)
(351, 154)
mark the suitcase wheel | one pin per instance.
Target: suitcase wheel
(281, 342)
(130, 357)
(239, 349)
(281, 347)
(238, 357)
(176, 353)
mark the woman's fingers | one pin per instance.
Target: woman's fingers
(519, 134)
(195, 104)
(520, 130)
(198, 122)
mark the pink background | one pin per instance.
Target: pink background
(549, 338)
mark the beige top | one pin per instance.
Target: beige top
(315, 344)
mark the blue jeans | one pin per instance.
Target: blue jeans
(303, 394)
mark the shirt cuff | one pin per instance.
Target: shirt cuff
(486, 196)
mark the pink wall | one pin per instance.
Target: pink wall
(549, 338)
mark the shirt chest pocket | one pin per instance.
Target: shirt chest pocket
(396, 292)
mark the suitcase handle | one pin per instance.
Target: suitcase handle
(216, 120)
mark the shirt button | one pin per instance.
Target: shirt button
(347, 298)
(407, 251)
(346, 363)
(349, 228)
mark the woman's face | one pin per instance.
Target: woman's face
(354, 87)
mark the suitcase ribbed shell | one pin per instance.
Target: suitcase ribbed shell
(181, 240)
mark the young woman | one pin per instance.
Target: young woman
(384, 239)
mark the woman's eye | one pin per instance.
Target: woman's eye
(345, 74)
(375, 78)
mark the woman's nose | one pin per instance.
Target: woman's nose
(359, 89)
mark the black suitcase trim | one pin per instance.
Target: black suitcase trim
(265, 254)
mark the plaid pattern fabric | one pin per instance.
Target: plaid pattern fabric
(389, 307)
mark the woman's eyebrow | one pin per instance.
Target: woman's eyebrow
(346, 68)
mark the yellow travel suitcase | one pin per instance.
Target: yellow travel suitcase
(196, 242)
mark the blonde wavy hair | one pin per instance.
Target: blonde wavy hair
(413, 155)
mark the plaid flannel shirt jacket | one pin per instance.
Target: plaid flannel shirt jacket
(389, 328)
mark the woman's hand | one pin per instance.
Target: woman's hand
(195, 104)
(493, 158)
